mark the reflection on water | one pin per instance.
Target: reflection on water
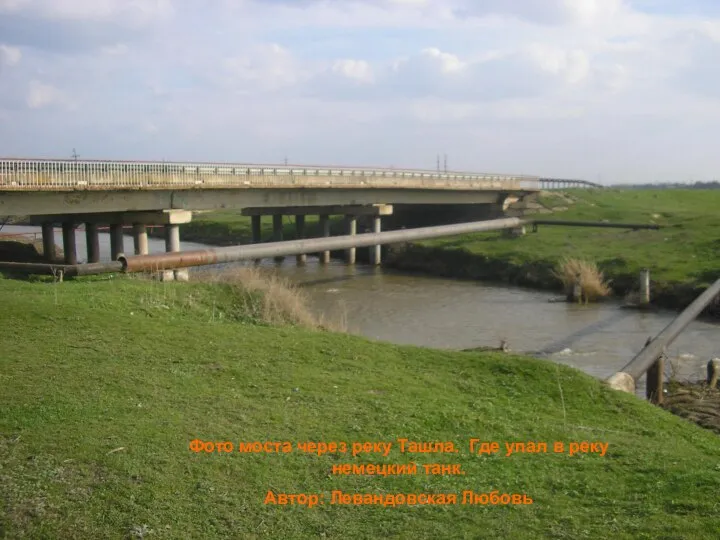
(449, 314)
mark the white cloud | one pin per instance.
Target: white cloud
(9, 56)
(572, 66)
(267, 66)
(134, 11)
(356, 70)
(500, 85)
(117, 49)
(43, 95)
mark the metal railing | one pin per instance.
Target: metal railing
(63, 174)
(560, 183)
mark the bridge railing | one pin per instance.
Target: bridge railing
(88, 174)
(561, 183)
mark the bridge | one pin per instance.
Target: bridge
(142, 193)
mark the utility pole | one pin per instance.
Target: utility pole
(446, 163)
(286, 160)
(75, 155)
(438, 163)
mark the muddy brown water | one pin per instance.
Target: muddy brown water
(441, 313)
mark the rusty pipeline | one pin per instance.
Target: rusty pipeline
(184, 259)
(70, 270)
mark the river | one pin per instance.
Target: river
(441, 313)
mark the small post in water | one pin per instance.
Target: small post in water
(644, 287)
(655, 380)
(713, 372)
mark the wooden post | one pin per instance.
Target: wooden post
(654, 381)
(713, 372)
(577, 292)
(644, 287)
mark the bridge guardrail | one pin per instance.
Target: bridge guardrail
(37, 174)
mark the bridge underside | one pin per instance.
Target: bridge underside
(94, 201)
(363, 210)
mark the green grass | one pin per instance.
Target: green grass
(682, 256)
(230, 228)
(91, 366)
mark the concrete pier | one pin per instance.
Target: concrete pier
(351, 230)
(92, 239)
(140, 239)
(256, 229)
(375, 251)
(324, 221)
(256, 232)
(117, 243)
(69, 244)
(278, 233)
(48, 240)
(300, 228)
(172, 245)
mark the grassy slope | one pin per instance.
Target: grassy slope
(682, 256)
(86, 368)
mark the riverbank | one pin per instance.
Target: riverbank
(681, 256)
(108, 380)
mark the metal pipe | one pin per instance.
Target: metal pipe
(184, 259)
(649, 355)
(596, 224)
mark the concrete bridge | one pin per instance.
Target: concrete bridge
(121, 193)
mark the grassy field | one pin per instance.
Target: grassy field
(106, 382)
(682, 256)
(229, 228)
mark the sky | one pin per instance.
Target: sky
(610, 91)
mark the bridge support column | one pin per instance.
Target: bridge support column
(300, 228)
(352, 231)
(172, 245)
(92, 239)
(256, 232)
(48, 239)
(140, 239)
(325, 233)
(117, 242)
(278, 233)
(256, 229)
(375, 251)
(69, 244)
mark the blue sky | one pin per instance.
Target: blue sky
(610, 90)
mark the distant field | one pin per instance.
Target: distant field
(106, 382)
(682, 256)
(686, 249)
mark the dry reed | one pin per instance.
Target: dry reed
(271, 298)
(572, 272)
